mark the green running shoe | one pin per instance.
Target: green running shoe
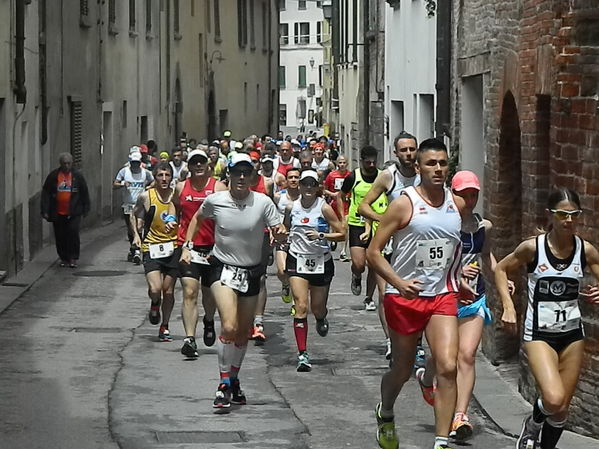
(286, 294)
(385, 433)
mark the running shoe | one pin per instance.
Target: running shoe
(385, 433)
(137, 257)
(237, 394)
(428, 393)
(420, 360)
(209, 332)
(343, 257)
(333, 246)
(303, 363)
(129, 256)
(286, 294)
(64, 263)
(442, 446)
(190, 347)
(461, 429)
(154, 314)
(73, 263)
(528, 435)
(164, 334)
(369, 304)
(271, 259)
(322, 327)
(388, 351)
(258, 333)
(356, 285)
(223, 397)
(292, 310)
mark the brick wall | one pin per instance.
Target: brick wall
(540, 61)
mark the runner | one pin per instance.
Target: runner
(357, 185)
(553, 330)
(179, 166)
(189, 196)
(240, 216)
(321, 163)
(422, 287)
(305, 160)
(159, 246)
(284, 162)
(282, 199)
(133, 179)
(309, 264)
(391, 181)
(332, 185)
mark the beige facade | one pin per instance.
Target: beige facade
(108, 75)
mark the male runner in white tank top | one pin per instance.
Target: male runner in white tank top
(422, 287)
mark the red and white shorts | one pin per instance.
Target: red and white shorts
(407, 316)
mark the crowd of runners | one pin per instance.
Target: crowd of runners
(216, 214)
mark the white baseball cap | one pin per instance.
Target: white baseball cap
(309, 174)
(240, 158)
(134, 149)
(195, 153)
(135, 156)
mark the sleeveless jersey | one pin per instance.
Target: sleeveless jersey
(472, 247)
(155, 231)
(399, 183)
(322, 165)
(302, 220)
(358, 192)
(428, 248)
(284, 200)
(177, 170)
(282, 167)
(260, 186)
(553, 293)
(218, 170)
(190, 200)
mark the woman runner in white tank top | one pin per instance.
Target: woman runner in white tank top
(553, 332)
(310, 265)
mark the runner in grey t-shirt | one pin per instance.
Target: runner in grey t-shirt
(240, 217)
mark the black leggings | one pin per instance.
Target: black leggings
(66, 234)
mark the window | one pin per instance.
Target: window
(207, 15)
(242, 32)
(284, 34)
(320, 74)
(301, 4)
(301, 108)
(201, 58)
(176, 20)
(282, 81)
(301, 76)
(76, 131)
(282, 115)
(252, 26)
(132, 15)
(319, 32)
(124, 114)
(217, 21)
(282, 5)
(148, 16)
(83, 13)
(310, 116)
(302, 33)
(318, 4)
(112, 17)
(193, 7)
(265, 27)
(245, 97)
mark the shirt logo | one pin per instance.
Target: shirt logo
(543, 268)
(451, 209)
(558, 288)
(305, 220)
(422, 210)
(193, 198)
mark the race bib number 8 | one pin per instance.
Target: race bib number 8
(235, 278)
(562, 316)
(310, 264)
(161, 250)
(433, 254)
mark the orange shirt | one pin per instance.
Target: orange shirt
(63, 193)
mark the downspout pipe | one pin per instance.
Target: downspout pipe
(19, 87)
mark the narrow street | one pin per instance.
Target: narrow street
(82, 368)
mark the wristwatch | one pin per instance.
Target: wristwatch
(321, 235)
(188, 245)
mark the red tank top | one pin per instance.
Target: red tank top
(260, 187)
(283, 168)
(190, 201)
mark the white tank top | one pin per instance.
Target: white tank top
(284, 200)
(303, 220)
(428, 248)
(400, 182)
(553, 293)
(322, 165)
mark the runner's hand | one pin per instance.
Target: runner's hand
(170, 226)
(312, 235)
(470, 271)
(279, 232)
(467, 295)
(511, 287)
(185, 256)
(591, 294)
(508, 318)
(409, 289)
(364, 237)
(137, 241)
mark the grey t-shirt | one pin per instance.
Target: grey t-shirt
(239, 226)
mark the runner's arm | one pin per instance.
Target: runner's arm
(331, 217)
(380, 186)
(138, 217)
(591, 292)
(396, 217)
(118, 181)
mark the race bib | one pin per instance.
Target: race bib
(339, 183)
(127, 209)
(310, 264)
(161, 250)
(433, 254)
(562, 316)
(200, 257)
(235, 278)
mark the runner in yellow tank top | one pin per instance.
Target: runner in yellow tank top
(159, 246)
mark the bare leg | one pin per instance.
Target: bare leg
(189, 309)
(470, 331)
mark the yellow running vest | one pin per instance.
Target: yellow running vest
(156, 231)
(358, 192)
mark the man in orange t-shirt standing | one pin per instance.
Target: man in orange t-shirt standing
(65, 199)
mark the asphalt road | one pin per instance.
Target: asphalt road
(82, 368)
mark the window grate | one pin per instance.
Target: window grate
(76, 132)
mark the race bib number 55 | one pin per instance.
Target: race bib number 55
(433, 254)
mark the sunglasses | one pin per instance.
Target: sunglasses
(245, 172)
(310, 184)
(564, 214)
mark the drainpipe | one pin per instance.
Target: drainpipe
(443, 113)
(19, 86)
(366, 70)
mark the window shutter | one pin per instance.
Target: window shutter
(76, 131)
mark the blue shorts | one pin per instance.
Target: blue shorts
(478, 307)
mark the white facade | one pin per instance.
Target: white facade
(410, 70)
(301, 33)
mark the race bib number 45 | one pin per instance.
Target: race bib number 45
(433, 254)
(310, 264)
(161, 250)
(235, 278)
